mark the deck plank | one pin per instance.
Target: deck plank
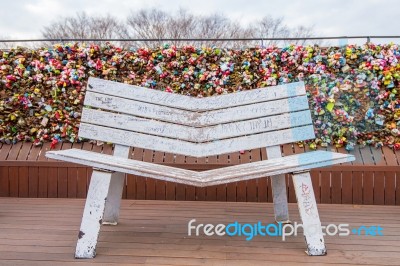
(34, 232)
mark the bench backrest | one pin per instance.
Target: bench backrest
(156, 120)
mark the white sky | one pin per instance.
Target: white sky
(25, 18)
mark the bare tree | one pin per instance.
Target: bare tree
(217, 26)
(83, 26)
(301, 32)
(147, 24)
(269, 27)
(157, 24)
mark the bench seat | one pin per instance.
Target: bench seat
(283, 165)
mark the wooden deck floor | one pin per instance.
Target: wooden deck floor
(44, 232)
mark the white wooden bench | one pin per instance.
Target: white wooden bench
(140, 117)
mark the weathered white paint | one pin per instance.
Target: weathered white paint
(141, 109)
(304, 161)
(279, 188)
(196, 119)
(193, 134)
(287, 164)
(111, 213)
(250, 111)
(151, 142)
(309, 214)
(92, 215)
(195, 104)
(128, 166)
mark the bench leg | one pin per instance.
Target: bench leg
(93, 215)
(309, 214)
(114, 196)
(280, 199)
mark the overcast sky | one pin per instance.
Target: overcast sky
(26, 18)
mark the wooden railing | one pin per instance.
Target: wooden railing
(374, 178)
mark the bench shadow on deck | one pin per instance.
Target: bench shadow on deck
(44, 232)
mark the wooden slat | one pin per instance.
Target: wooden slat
(325, 183)
(139, 181)
(336, 189)
(389, 155)
(221, 189)
(326, 187)
(137, 110)
(385, 188)
(13, 172)
(357, 187)
(48, 181)
(347, 182)
(367, 155)
(180, 189)
(4, 175)
(5, 150)
(190, 191)
(195, 149)
(23, 172)
(192, 134)
(45, 178)
(231, 188)
(264, 190)
(288, 164)
(242, 185)
(397, 154)
(195, 104)
(379, 188)
(13, 153)
(201, 192)
(130, 187)
(33, 173)
(150, 182)
(287, 149)
(211, 191)
(170, 188)
(72, 186)
(52, 179)
(398, 188)
(368, 188)
(160, 184)
(336, 184)
(252, 111)
(251, 188)
(82, 175)
(130, 191)
(62, 180)
(390, 188)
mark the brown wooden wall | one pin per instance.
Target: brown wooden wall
(25, 172)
